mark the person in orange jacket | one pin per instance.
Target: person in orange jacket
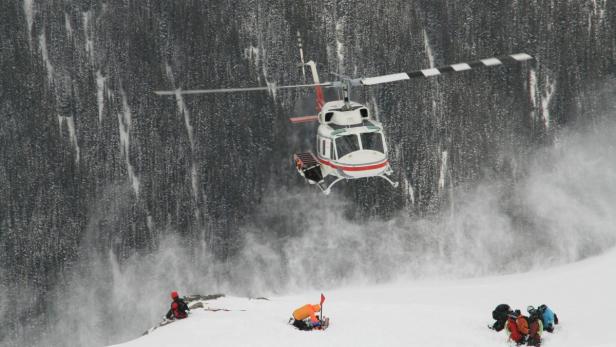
(305, 318)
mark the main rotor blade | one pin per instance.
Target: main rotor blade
(488, 62)
(370, 81)
(231, 90)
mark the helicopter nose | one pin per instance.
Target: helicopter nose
(364, 163)
(363, 157)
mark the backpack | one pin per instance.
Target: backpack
(522, 324)
(500, 312)
(301, 325)
(535, 325)
(179, 309)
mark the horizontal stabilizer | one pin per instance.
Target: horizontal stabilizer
(304, 119)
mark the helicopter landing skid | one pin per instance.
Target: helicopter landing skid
(327, 188)
(393, 184)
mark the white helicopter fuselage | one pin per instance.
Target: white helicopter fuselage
(350, 144)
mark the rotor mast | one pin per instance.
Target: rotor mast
(346, 92)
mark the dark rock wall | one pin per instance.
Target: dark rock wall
(91, 161)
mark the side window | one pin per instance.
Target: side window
(323, 147)
(331, 150)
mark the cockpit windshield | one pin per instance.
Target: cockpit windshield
(346, 144)
(372, 141)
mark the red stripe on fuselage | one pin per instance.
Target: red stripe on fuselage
(354, 168)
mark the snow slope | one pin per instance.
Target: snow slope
(415, 313)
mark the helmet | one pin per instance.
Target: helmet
(174, 295)
(530, 309)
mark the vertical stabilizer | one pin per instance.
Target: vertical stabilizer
(318, 89)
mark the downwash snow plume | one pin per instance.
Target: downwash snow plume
(563, 210)
(118, 302)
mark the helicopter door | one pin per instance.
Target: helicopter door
(326, 148)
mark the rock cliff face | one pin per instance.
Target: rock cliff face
(95, 168)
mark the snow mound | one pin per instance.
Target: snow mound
(426, 313)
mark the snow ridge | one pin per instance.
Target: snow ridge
(235, 321)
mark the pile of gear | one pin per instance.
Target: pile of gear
(523, 329)
(305, 318)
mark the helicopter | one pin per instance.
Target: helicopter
(350, 143)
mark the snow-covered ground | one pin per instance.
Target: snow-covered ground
(414, 313)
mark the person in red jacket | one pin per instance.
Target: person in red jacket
(512, 330)
(179, 309)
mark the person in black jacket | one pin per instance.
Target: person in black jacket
(179, 309)
(500, 314)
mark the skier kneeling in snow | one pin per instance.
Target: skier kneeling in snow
(179, 309)
(535, 327)
(500, 316)
(548, 318)
(304, 318)
(516, 327)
